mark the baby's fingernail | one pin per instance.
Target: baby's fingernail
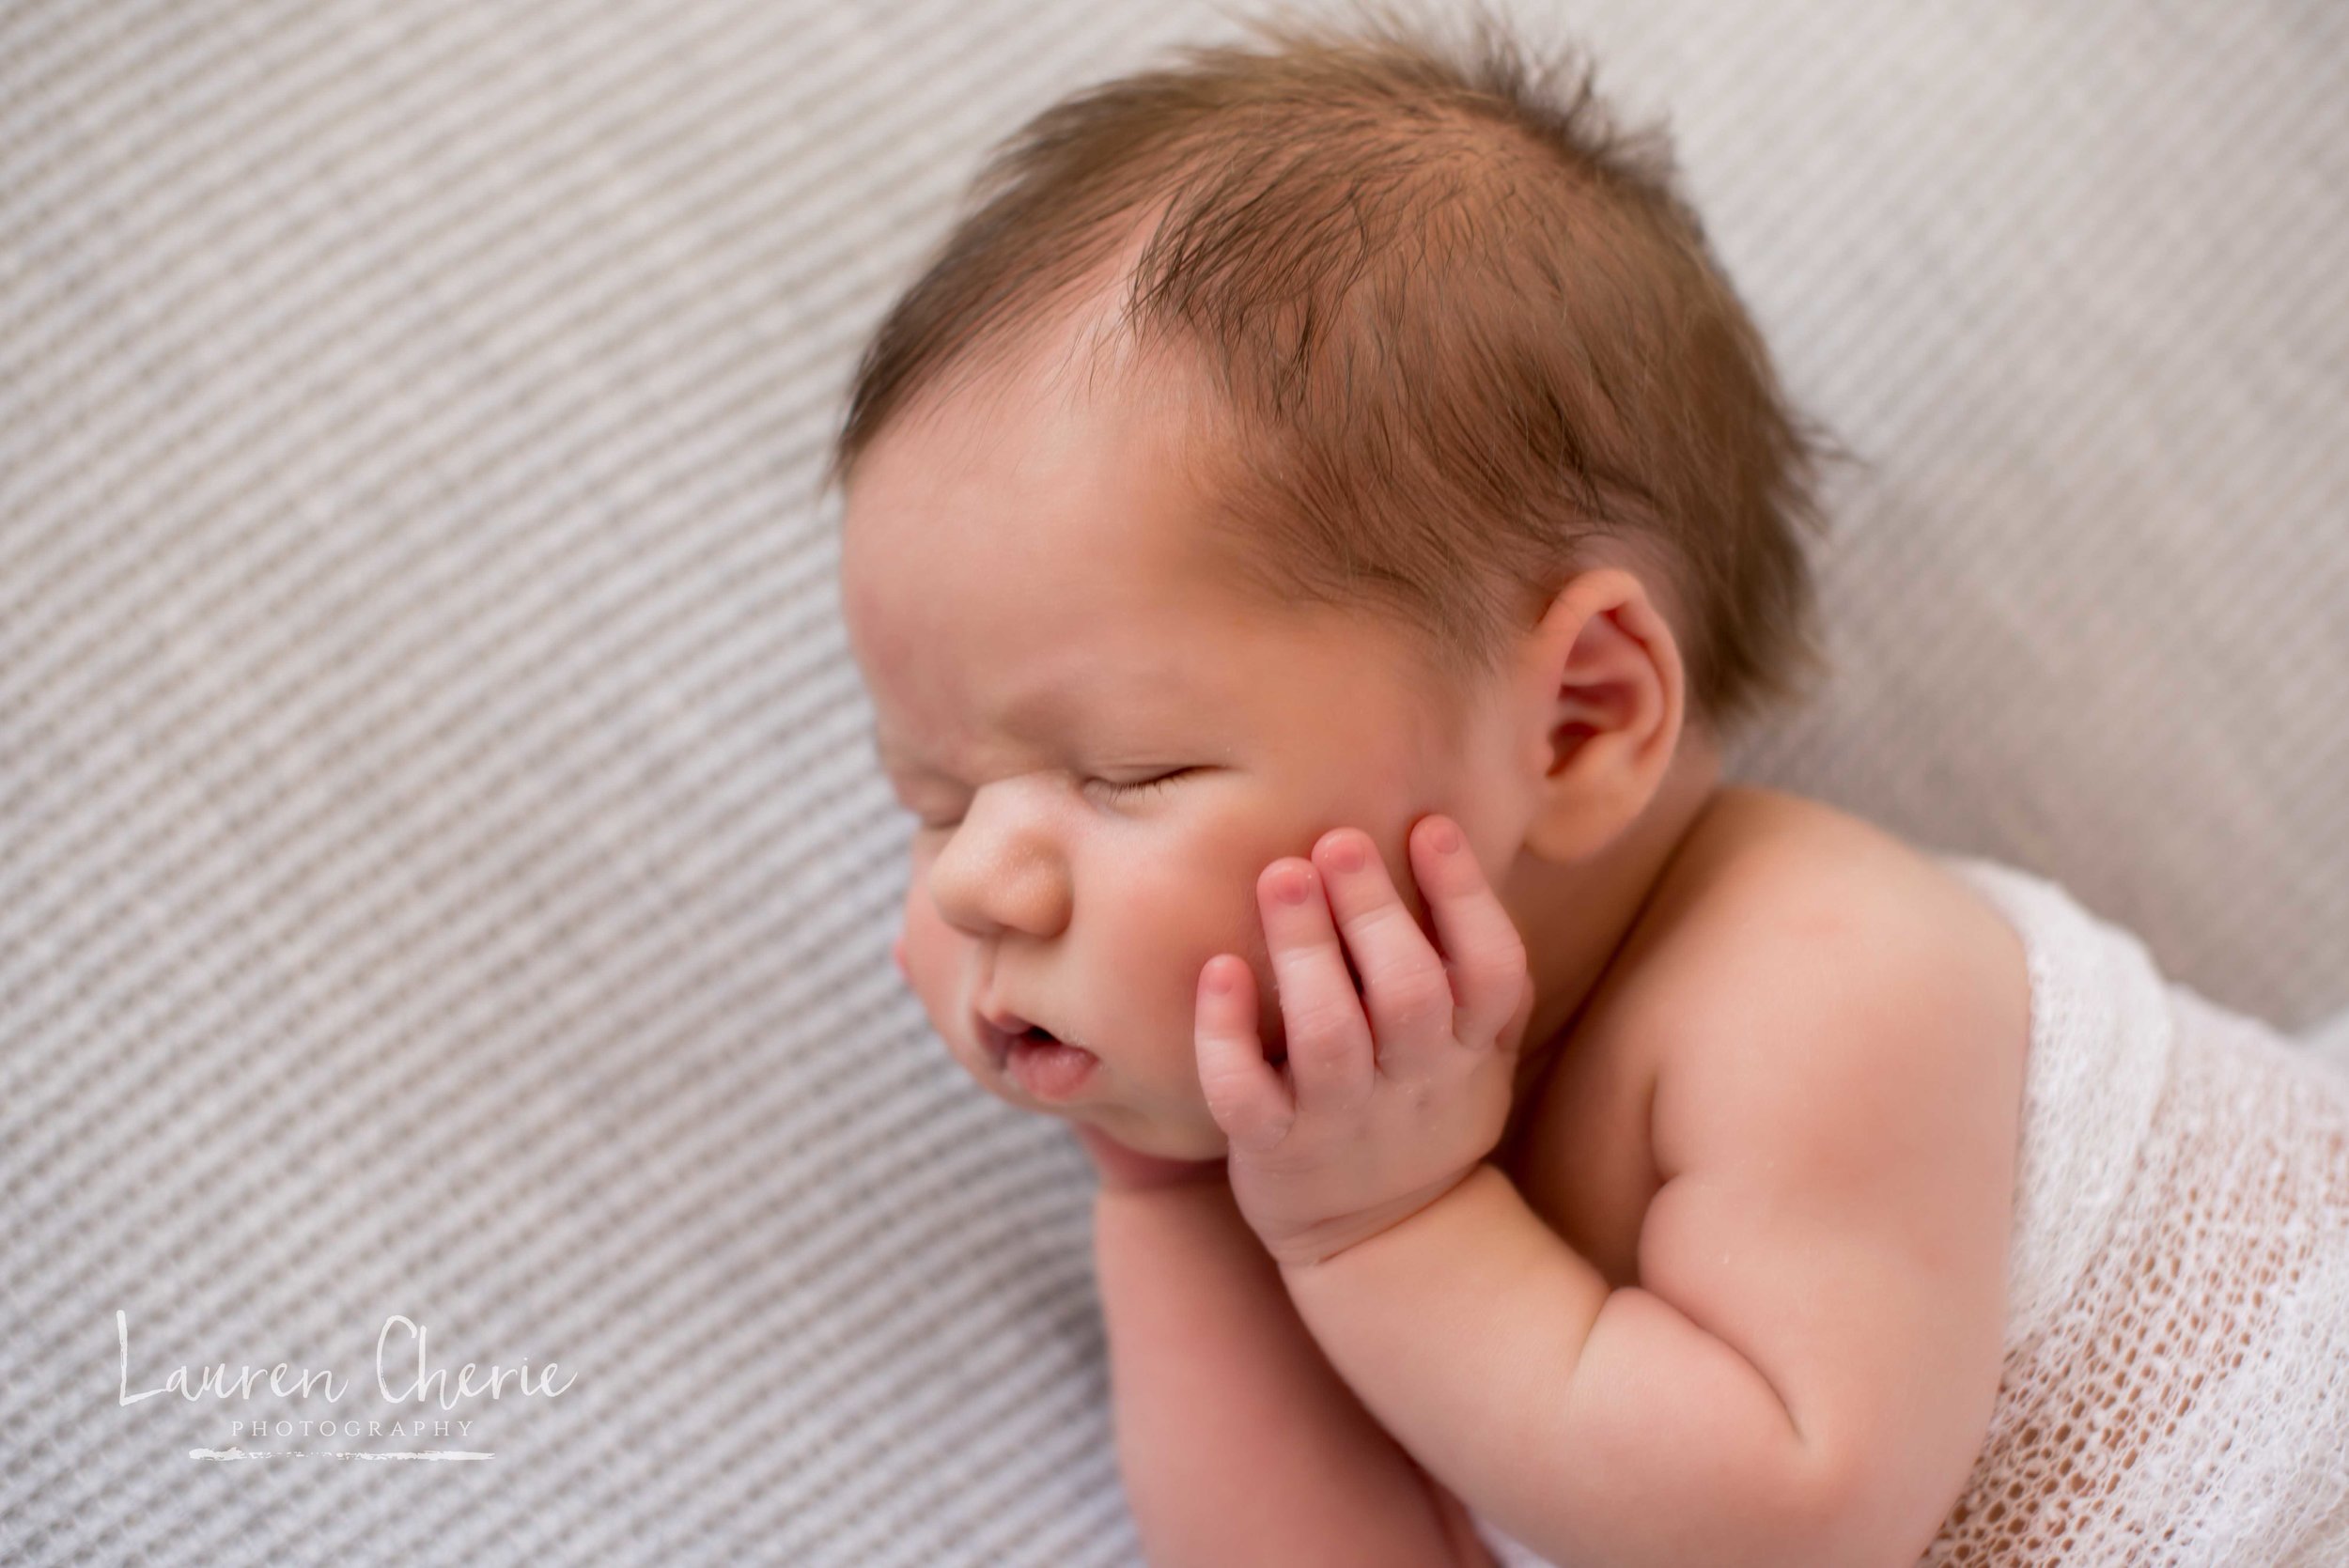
(1219, 979)
(1444, 836)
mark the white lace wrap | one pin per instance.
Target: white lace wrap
(2176, 1384)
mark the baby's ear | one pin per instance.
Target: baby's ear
(1609, 710)
(897, 950)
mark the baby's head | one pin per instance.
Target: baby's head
(1309, 436)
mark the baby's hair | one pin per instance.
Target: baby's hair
(1456, 324)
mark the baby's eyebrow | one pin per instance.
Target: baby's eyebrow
(894, 761)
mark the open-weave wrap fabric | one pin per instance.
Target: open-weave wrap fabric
(443, 880)
(2176, 1385)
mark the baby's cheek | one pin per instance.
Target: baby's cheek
(927, 953)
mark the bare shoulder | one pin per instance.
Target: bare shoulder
(1789, 907)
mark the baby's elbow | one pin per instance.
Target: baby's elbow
(1904, 1463)
(1874, 1504)
(1805, 1510)
(1830, 1515)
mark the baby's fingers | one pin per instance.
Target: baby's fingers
(1244, 1092)
(1484, 951)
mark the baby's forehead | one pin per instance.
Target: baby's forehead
(1102, 671)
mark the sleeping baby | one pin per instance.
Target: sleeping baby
(1308, 539)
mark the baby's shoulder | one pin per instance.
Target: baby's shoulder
(1707, 1032)
(1776, 896)
(1785, 909)
(1779, 891)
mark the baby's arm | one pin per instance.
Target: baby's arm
(1236, 1442)
(1806, 1369)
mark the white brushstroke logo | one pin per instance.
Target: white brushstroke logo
(428, 1383)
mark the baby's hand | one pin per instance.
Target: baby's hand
(1374, 1118)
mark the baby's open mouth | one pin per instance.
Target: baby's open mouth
(1013, 1030)
(1040, 1062)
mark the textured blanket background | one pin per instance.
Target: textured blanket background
(440, 872)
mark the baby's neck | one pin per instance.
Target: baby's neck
(1578, 920)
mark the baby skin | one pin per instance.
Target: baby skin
(1493, 1108)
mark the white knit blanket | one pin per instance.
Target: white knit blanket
(2176, 1382)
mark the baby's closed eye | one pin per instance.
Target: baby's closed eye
(1139, 787)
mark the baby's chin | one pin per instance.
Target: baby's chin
(1163, 1136)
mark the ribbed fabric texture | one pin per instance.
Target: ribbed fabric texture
(441, 875)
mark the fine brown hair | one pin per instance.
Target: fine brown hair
(1454, 321)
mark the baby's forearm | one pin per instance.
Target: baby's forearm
(1237, 1441)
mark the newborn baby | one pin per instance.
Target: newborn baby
(1308, 539)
